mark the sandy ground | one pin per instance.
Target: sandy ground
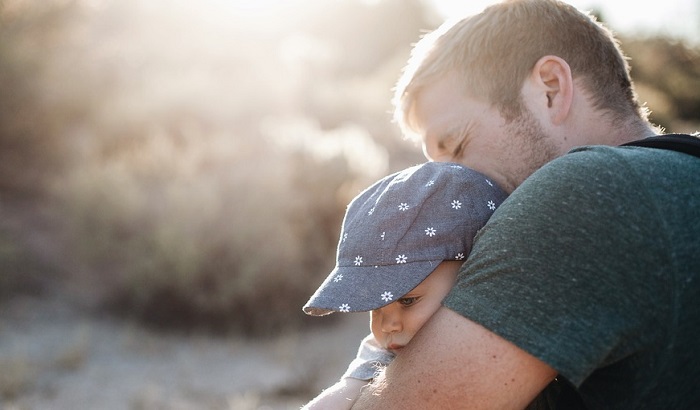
(56, 356)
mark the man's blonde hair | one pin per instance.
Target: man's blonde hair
(493, 52)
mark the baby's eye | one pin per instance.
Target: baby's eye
(408, 301)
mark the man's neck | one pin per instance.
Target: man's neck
(634, 130)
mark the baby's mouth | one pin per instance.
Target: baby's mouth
(395, 347)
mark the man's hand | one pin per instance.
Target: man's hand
(454, 363)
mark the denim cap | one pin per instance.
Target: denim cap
(397, 231)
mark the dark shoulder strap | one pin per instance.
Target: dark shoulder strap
(689, 144)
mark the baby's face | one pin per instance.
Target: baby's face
(395, 324)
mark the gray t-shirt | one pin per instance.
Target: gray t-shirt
(593, 266)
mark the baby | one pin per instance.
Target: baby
(402, 243)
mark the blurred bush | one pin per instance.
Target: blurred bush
(206, 234)
(27, 155)
(19, 272)
(667, 72)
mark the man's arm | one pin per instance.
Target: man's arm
(455, 363)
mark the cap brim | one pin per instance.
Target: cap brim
(365, 288)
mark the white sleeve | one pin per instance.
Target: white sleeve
(370, 359)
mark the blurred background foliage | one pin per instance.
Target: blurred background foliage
(187, 164)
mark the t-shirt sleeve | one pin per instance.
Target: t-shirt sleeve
(555, 270)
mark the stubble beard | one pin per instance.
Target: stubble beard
(532, 147)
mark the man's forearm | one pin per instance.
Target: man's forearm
(455, 363)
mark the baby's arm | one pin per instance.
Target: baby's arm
(370, 358)
(341, 395)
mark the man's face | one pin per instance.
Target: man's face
(457, 128)
(395, 324)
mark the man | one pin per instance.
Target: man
(588, 272)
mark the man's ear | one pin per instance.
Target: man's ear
(553, 77)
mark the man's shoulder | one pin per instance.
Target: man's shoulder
(634, 153)
(580, 168)
(605, 156)
(606, 176)
(591, 164)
